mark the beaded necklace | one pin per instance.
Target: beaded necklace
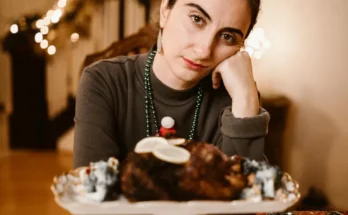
(150, 104)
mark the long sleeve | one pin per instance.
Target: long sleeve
(243, 136)
(95, 120)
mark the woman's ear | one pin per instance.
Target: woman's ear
(164, 12)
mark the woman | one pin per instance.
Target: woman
(196, 75)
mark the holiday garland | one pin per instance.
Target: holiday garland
(42, 33)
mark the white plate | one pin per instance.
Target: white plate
(122, 206)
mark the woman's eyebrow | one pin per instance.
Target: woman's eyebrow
(200, 9)
(233, 30)
(228, 29)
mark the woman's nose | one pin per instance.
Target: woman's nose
(203, 47)
(202, 52)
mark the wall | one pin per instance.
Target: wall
(308, 63)
(134, 17)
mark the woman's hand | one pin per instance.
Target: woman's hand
(237, 75)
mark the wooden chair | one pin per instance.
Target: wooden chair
(138, 43)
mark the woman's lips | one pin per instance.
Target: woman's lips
(192, 65)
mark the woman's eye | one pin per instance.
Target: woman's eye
(228, 38)
(197, 20)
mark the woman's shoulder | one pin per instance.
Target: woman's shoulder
(115, 65)
(116, 71)
(112, 78)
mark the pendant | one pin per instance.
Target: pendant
(167, 127)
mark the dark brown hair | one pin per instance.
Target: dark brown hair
(255, 6)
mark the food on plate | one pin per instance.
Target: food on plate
(205, 175)
(147, 144)
(96, 183)
(176, 170)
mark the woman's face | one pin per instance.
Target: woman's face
(203, 32)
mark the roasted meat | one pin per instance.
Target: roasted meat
(209, 174)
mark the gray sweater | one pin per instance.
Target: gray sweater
(110, 113)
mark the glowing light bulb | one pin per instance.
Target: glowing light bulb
(44, 44)
(54, 19)
(49, 13)
(56, 16)
(254, 44)
(61, 3)
(51, 50)
(44, 30)
(38, 37)
(257, 43)
(75, 37)
(249, 50)
(14, 28)
(39, 23)
(58, 13)
(46, 21)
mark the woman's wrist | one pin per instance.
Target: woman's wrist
(245, 103)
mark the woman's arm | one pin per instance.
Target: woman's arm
(244, 124)
(95, 120)
(243, 136)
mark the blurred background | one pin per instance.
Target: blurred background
(300, 62)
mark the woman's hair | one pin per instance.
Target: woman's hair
(254, 6)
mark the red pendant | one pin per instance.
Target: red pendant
(167, 130)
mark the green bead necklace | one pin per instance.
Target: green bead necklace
(150, 104)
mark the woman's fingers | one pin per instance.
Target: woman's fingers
(216, 79)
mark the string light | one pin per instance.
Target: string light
(55, 19)
(51, 50)
(56, 16)
(44, 44)
(52, 16)
(46, 21)
(254, 44)
(39, 23)
(58, 13)
(14, 29)
(50, 13)
(74, 37)
(61, 3)
(38, 37)
(249, 50)
(44, 30)
(257, 43)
